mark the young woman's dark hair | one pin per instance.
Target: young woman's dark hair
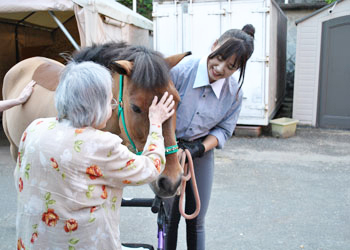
(239, 43)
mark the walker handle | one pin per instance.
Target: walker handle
(156, 204)
(137, 202)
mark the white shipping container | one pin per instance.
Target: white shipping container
(181, 26)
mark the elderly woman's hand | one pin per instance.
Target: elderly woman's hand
(161, 111)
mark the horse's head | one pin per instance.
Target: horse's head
(140, 83)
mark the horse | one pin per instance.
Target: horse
(141, 72)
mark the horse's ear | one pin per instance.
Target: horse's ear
(122, 67)
(175, 59)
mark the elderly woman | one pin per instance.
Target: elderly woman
(70, 175)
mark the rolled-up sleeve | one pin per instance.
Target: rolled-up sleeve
(175, 75)
(224, 129)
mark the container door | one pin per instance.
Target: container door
(180, 27)
(255, 87)
(167, 27)
(185, 26)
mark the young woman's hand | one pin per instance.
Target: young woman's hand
(195, 147)
(161, 111)
(26, 92)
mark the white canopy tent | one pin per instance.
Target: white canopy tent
(28, 27)
(98, 20)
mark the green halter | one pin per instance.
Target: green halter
(168, 150)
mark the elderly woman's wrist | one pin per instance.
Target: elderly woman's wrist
(155, 121)
(155, 128)
(155, 124)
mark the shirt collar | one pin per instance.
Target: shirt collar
(202, 78)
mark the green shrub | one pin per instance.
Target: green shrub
(144, 7)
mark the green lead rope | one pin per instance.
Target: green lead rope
(121, 113)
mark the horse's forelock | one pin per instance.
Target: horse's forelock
(101, 54)
(149, 71)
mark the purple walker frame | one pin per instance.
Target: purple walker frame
(157, 206)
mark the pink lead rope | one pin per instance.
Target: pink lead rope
(188, 174)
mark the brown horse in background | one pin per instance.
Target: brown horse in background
(145, 73)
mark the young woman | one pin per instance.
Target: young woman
(70, 174)
(207, 82)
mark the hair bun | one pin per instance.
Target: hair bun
(249, 29)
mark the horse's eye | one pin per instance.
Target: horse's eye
(135, 108)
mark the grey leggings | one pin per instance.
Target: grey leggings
(195, 229)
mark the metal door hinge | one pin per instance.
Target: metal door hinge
(262, 10)
(220, 12)
(256, 106)
(155, 14)
(260, 59)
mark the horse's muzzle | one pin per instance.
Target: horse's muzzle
(165, 188)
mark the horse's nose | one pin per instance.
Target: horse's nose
(165, 184)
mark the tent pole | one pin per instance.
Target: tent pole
(134, 5)
(64, 30)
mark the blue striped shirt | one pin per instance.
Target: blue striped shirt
(200, 111)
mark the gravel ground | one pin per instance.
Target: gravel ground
(268, 194)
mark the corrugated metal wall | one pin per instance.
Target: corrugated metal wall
(183, 26)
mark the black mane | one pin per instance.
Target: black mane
(149, 70)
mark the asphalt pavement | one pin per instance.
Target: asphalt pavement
(268, 194)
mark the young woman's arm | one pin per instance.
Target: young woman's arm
(224, 130)
(22, 98)
(6, 104)
(210, 142)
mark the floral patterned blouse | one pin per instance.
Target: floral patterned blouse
(70, 184)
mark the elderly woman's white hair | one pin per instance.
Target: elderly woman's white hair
(83, 94)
